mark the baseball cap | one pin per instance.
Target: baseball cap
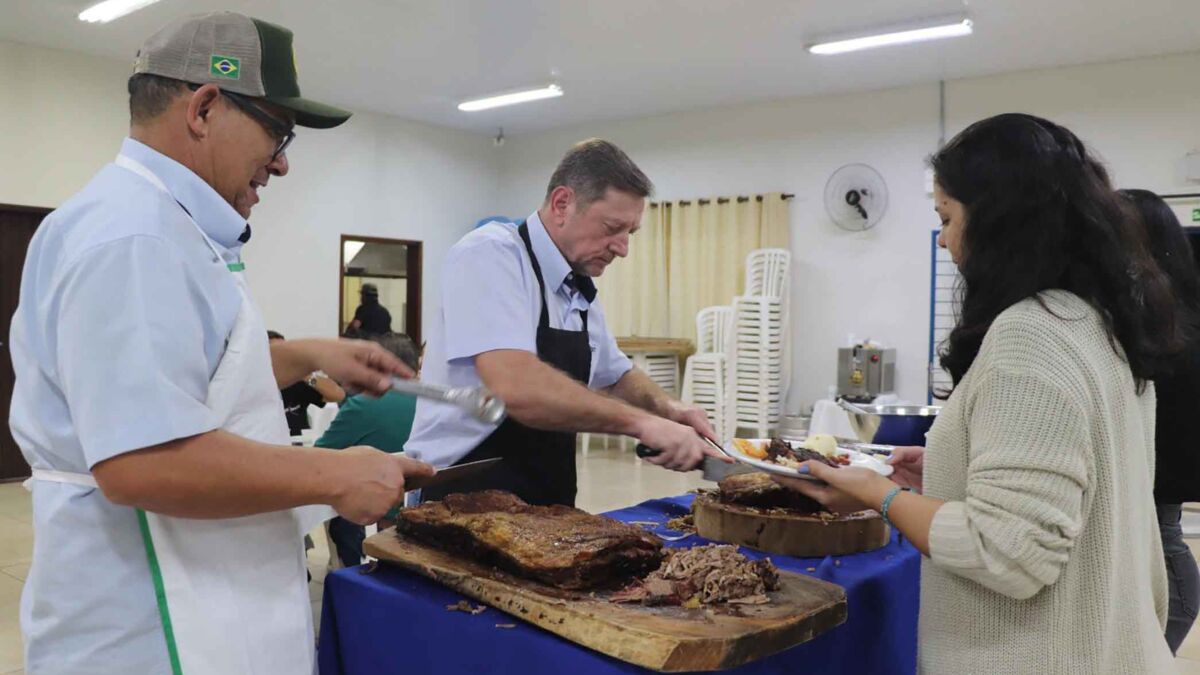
(370, 289)
(238, 54)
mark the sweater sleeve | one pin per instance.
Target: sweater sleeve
(1025, 486)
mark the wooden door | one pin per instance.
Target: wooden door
(17, 225)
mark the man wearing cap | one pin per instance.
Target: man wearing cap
(168, 508)
(370, 318)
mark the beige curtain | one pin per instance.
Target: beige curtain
(687, 257)
(351, 286)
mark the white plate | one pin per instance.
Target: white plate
(856, 459)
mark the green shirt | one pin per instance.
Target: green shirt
(383, 423)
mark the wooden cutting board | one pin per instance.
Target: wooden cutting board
(668, 639)
(788, 533)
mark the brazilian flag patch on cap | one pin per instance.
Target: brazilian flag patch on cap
(227, 67)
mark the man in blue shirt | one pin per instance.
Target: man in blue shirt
(520, 315)
(166, 498)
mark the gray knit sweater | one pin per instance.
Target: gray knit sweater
(1046, 556)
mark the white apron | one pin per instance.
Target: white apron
(232, 593)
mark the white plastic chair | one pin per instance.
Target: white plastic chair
(704, 374)
(705, 386)
(767, 272)
(663, 370)
(758, 371)
(713, 327)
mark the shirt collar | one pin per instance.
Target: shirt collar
(211, 212)
(555, 267)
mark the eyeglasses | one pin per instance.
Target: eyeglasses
(279, 130)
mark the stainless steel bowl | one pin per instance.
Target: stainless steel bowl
(891, 424)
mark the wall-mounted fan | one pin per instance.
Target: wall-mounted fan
(856, 197)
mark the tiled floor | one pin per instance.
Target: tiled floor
(608, 479)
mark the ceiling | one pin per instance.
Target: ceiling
(630, 58)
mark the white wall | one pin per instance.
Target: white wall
(1142, 116)
(873, 284)
(63, 115)
(374, 176)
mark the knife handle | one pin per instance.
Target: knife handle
(642, 450)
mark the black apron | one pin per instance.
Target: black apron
(538, 466)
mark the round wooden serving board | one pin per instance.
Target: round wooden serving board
(788, 533)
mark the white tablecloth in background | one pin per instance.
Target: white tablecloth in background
(829, 418)
(319, 419)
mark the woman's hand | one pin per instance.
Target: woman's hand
(848, 489)
(909, 464)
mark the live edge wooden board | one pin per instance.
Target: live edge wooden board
(667, 639)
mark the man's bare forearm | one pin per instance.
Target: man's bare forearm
(329, 390)
(541, 396)
(636, 388)
(291, 361)
(219, 475)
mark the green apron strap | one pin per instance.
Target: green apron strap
(159, 592)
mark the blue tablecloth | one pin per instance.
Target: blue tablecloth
(393, 621)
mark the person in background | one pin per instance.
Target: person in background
(313, 390)
(382, 423)
(1177, 466)
(371, 318)
(1037, 521)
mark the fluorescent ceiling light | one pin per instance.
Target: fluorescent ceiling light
(930, 29)
(523, 96)
(106, 11)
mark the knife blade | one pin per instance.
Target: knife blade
(451, 473)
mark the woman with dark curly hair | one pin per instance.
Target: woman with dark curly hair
(1038, 522)
(1177, 465)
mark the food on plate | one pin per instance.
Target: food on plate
(822, 443)
(757, 450)
(778, 449)
(818, 448)
(556, 545)
(705, 575)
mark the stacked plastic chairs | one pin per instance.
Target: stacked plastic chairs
(705, 378)
(759, 358)
(662, 369)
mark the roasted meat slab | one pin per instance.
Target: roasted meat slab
(757, 489)
(557, 545)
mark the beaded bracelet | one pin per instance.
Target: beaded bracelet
(887, 502)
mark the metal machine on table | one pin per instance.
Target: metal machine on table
(864, 372)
